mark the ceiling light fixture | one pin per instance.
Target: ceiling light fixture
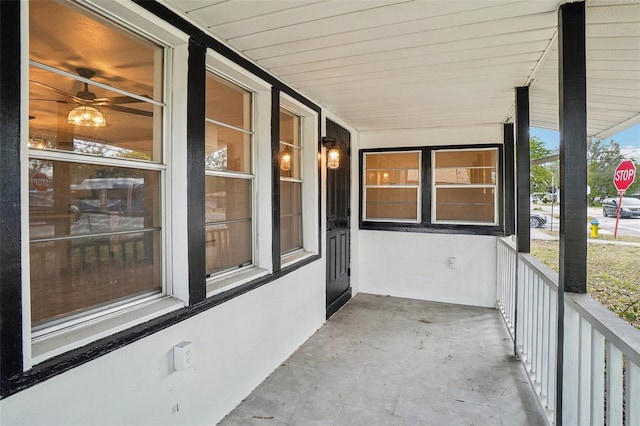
(84, 115)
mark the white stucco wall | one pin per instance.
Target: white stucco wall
(235, 346)
(414, 264)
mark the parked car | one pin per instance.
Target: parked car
(630, 207)
(537, 220)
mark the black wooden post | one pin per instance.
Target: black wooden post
(10, 223)
(523, 169)
(509, 180)
(195, 171)
(572, 81)
(573, 147)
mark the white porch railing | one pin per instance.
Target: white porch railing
(601, 352)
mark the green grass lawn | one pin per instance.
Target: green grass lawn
(613, 275)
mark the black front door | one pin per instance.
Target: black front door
(338, 212)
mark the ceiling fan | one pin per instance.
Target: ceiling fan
(86, 113)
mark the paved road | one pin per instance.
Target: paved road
(607, 224)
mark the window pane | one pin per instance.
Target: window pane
(465, 204)
(129, 131)
(466, 158)
(71, 276)
(227, 149)
(392, 203)
(393, 177)
(228, 223)
(228, 103)
(67, 38)
(70, 199)
(228, 246)
(466, 176)
(290, 216)
(395, 160)
(289, 128)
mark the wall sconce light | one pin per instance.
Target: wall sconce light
(86, 116)
(333, 153)
(285, 160)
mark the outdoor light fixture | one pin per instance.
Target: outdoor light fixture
(333, 153)
(285, 160)
(86, 116)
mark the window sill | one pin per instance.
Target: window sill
(62, 341)
(227, 282)
(295, 257)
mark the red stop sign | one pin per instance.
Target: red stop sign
(624, 175)
(40, 182)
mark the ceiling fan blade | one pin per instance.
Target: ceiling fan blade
(116, 100)
(50, 100)
(131, 110)
(54, 89)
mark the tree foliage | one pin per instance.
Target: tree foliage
(602, 162)
(540, 175)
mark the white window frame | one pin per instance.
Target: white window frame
(309, 180)
(64, 336)
(494, 186)
(417, 186)
(260, 174)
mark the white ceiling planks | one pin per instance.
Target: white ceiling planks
(613, 70)
(386, 64)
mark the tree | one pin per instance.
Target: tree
(540, 175)
(602, 161)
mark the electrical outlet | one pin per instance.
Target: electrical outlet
(182, 356)
(452, 263)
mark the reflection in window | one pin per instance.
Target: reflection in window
(229, 179)
(290, 182)
(392, 186)
(465, 186)
(94, 226)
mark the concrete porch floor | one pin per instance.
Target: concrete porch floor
(392, 361)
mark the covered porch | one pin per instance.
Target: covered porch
(395, 361)
(451, 321)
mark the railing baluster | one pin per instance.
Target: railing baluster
(632, 413)
(584, 411)
(570, 373)
(614, 385)
(539, 314)
(552, 345)
(597, 378)
(544, 343)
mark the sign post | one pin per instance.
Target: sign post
(623, 177)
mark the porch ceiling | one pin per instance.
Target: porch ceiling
(397, 64)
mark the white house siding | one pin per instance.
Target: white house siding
(235, 346)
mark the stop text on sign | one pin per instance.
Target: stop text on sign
(624, 175)
(40, 182)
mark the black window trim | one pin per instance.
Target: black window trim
(425, 225)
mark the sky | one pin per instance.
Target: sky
(629, 140)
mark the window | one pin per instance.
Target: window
(465, 188)
(429, 189)
(291, 155)
(96, 167)
(229, 176)
(392, 187)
